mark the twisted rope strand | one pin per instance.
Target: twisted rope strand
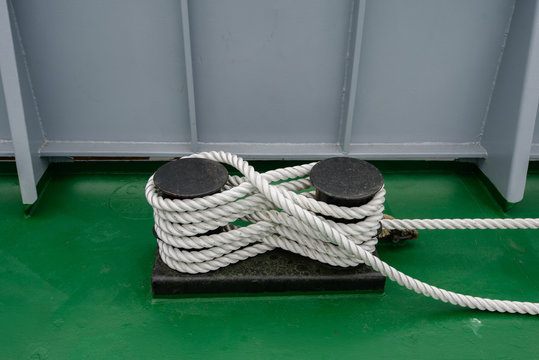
(431, 224)
(281, 217)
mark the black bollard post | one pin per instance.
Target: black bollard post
(184, 179)
(345, 181)
(190, 178)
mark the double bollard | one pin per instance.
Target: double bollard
(339, 181)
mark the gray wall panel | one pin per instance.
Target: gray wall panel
(5, 133)
(269, 71)
(536, 130)
(107, 70)
(427, 69)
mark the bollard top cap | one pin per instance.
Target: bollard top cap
(346, 181)
(190, 178)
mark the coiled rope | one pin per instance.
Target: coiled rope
(286, 215)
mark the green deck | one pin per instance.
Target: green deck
(75, 281)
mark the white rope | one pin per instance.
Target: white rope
(285, 215)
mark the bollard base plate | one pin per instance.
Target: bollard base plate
(274, 271)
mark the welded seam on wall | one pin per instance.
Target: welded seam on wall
(496, 72)
(351, 73)
(347, 69)
(189, 74)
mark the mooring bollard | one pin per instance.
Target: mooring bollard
(339, 181)
(190, 178)
(351, 182)
(345, 181)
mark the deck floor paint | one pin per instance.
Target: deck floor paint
(75, 282)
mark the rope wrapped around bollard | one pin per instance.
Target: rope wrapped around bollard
(281, 212)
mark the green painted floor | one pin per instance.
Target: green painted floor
(75, 282)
